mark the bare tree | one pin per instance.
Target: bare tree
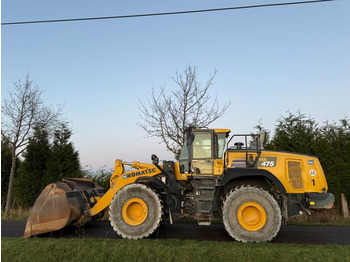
(167, 115)
(24, 109)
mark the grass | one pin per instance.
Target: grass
(322, 217)
(37, 249)
(17, 213)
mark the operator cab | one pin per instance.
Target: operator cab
(203, 151)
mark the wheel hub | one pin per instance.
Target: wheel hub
(134, 211)
(251, 216)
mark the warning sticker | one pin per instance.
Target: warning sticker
(312, 172)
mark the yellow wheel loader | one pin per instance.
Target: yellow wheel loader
(252, 190)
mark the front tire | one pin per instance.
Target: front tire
(135, 211)
(251, 214)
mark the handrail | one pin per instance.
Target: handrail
(257, 141)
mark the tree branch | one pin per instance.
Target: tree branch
(167, 116)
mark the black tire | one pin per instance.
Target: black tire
(135, 211)
(251, 214)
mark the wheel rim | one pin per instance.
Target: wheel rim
(134, 211)
(251, 216)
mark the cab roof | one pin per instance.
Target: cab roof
(222, 130)
(216, 130)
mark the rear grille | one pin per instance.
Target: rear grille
(295, 174)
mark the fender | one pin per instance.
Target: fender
(153, 182)
(122, 180)
(233, 173)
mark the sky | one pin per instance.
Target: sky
(269, 61)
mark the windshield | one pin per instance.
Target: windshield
(202, 146)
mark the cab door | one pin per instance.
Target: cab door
(202, 153)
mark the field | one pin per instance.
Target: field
(37, 249)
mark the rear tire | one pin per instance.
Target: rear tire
(251, 214)
(135, 211)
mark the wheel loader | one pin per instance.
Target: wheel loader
(251, 190)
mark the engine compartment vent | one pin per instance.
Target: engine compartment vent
(295, 174)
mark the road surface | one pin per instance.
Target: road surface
(322, 235)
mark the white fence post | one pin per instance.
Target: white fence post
(344, 205)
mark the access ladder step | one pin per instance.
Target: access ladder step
(206, 187)
(204, 223)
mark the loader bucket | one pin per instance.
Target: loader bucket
(62, 204)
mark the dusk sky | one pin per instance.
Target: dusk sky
(269, 61)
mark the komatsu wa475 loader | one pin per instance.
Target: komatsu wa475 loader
(251, 190)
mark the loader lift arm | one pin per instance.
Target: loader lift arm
(78, 201)
(120, 179)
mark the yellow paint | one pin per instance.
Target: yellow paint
(312, 203)
(134, 211)
(280, 170)
(178, 175)
(222, 130)
(93, 199)
(141, 170)
(251, 216)
(218, 166)
(118, 170)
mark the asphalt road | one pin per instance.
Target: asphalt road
(322, 235)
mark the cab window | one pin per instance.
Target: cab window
(202, 146)
(221, 144)
(184, 160)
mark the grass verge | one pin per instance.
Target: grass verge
(17, 213)
(321, 217)
(37, 249)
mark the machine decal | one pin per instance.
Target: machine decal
(267, 162)
(311, 162)
(313, 182)
(312, 172)
(139, 173)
